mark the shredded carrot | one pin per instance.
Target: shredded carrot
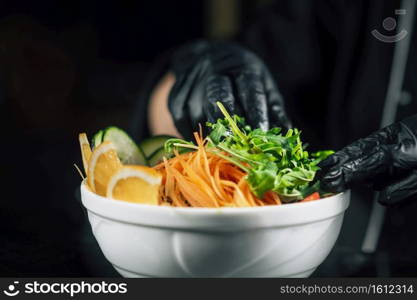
(204, 179)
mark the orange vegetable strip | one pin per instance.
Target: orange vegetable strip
(312, 197)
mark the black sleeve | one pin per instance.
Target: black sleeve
(285, 36)
(297, 41)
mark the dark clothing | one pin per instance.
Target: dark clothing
(334, 75)
(331, 70)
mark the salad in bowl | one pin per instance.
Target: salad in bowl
(239, 202)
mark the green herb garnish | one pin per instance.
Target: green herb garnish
(274, 161)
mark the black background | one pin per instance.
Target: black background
(69, 66)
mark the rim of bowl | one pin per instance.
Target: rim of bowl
(209, 217)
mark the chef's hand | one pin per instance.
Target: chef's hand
(386, 160)
(209, 72)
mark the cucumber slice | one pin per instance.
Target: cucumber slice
(127, 150)
(150, 145)
(156, 157)
(98, 138)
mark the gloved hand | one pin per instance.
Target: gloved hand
(386, 160)
(208, 72)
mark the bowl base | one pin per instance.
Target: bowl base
(127, 274)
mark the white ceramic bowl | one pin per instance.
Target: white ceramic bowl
(272, 241)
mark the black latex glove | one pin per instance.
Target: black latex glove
(386, 160)
(208, 72)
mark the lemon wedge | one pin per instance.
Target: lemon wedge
(85, 150)
(103, 163)
(137, 184)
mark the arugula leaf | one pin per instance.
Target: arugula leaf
(261, 179)
(218, 131)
